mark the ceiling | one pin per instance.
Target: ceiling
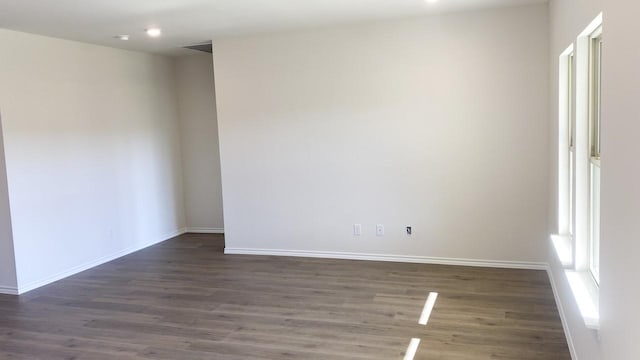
(188, 22)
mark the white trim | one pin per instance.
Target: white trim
(8, 290)
(205, 230)
(391, 258)
(593, 26)
(563, 317)
(564, 73)
(587, 295)
(88, 265)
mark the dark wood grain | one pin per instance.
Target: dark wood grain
(183, 299)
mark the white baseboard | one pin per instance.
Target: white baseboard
(8, 290)
(204, 230)
(391, 258)
(563, 318)
(88, 265)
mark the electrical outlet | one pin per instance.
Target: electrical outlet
(379, 230)
(409, 230)
(357, 229)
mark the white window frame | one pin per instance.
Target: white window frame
(578, 200)
(570, 79)
(563, 243)
(595, 93)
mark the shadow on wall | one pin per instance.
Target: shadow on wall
(8, 279)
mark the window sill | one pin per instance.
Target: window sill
(587, 295)
(583, 286)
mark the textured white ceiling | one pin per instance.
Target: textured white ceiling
(186, 22)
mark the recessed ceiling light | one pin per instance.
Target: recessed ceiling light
(431, 1)
(122, 37)
(154, 32)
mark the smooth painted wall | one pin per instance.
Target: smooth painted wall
(435, 122)
(8, 279)
(92, 151)
(620, 198)
(620, 201)
(199, 139)
(567, 19)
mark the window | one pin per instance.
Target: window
(563, 242)
(572, 143)
(577, 242)
(595, 71)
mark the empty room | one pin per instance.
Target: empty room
(331, 180)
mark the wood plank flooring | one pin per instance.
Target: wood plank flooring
(183, 299)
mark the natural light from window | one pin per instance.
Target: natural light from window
(577, 243)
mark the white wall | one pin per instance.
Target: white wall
(8, 280)
(92, 152)
(620, 198)
(620, 229)
(567, 19)
(199, 139)
(435, 122)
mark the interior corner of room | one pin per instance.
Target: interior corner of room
(107, 152)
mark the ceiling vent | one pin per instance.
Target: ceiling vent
(205, 47)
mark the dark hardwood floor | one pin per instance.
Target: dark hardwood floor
(183, 299)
